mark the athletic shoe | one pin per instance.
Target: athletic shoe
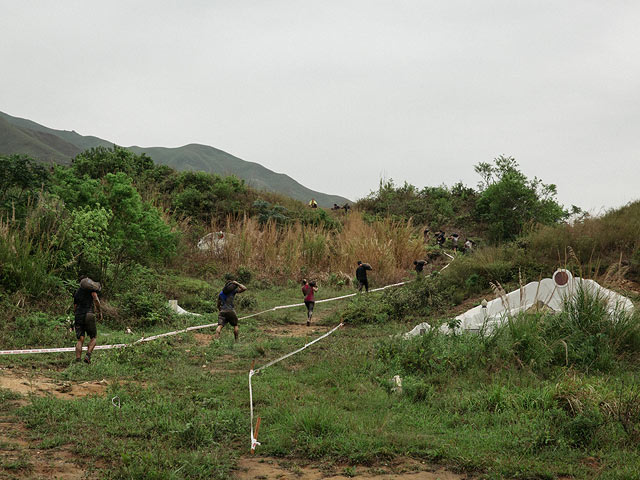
(87, 359)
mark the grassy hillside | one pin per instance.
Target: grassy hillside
(18, 135)
(39, 144)
(208, 159)
(545, 396)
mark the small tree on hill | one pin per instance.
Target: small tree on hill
(509, 201)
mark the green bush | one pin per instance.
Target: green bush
(142, 308)
(363, 309)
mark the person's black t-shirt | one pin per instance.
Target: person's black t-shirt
(361, 271)
(84, 301)
(420, 265)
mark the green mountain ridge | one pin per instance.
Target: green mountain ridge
(19, 135)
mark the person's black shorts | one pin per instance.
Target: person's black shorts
(229, 317)
(85, 323)
(363, 283)
(309, 305)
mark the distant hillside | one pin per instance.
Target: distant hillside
(19, 135)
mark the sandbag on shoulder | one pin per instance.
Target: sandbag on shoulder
(88, 284)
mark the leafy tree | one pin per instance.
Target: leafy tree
(137, 231)
(91, 240)
(99, 161)
(509, 201)
(76, 191)
(21, 180)
(205, 196)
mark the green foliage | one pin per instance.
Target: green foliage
(99, 161)
(137, 231)
(142, 308)
(510, 202)
(434, 206)
(90, 238)
(76, 191)
(267, 211)
(362, 310)
(20, 183)
(206, 196)
(36, 330)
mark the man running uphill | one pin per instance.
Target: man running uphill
(85, 300)
(361, 276)
(225, 306)
(308, 290)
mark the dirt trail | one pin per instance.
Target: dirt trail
(295, 330)
(21, 458)
(267, 468)
(25, 383)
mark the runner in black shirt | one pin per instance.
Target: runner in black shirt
(85, 300)
(361, 276)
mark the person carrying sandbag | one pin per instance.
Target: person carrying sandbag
(86, 306)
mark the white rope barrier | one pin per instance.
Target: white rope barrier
(178, 332)
(252, 372)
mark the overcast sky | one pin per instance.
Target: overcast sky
(338, 94)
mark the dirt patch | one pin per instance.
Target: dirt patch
(21, 459)
(203, 339)
(222, 364)
(296, 330)
(25, 384)
(266, 468)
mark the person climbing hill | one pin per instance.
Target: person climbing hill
(361, 275)
(227, 310)
(308, 290)
(419, 266)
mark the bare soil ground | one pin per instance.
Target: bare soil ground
(268, 468)
(22, 457)
(26, 383)
(295, 330)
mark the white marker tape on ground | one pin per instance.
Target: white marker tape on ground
(254, 440)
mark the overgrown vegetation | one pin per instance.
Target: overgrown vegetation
(532, 399)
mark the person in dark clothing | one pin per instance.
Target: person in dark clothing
(440, 238)
(227, 313)
(308, 290)
(86, 305)
(361, 276)
(419, 266)
(346, 207)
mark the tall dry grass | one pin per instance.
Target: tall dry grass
(282, 252)
(603, 241)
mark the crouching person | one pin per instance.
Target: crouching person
(86, 307)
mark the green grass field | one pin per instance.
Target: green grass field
(184, 404)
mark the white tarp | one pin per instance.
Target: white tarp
(214, 241)
(173, 305)
(547, 293)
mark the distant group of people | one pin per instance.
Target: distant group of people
(346, 207)
(441, 239)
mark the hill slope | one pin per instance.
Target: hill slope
(19, 135)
